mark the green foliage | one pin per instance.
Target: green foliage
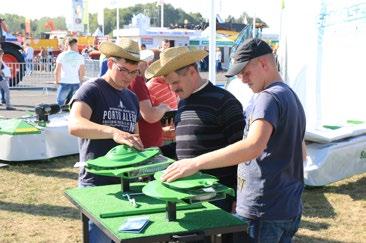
(245, 19)
(172, 17)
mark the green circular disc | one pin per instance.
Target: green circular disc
(122, 156)
(194, 181)
(157, 190)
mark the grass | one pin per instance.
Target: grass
(33, 207)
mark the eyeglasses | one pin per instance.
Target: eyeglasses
(124, 70)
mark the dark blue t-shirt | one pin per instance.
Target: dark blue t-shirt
(111, 107)
(270, 186)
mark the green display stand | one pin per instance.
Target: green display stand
(17, 127)
(97, 202)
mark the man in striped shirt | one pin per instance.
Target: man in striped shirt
(208, 117)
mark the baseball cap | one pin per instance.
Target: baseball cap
(247, 51)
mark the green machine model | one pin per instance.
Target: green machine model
(128, 164)
(191, 190)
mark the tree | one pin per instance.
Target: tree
(245, 19)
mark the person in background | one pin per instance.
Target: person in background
(218, 58)
(42, 57)
(142, 47)
(161, 93)
(165, 44)
(4, 81)
(271, 154)
(104, 113)
(85, 53)
(150, 127)
(69, 71)
(3, 28)
(28, 58)
(147, 56)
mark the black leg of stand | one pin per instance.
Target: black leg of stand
(171, 211)
(85, 222)
(125, 184)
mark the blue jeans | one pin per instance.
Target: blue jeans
(65, 92)
(269, 231)
(96, 235)
(29, 66)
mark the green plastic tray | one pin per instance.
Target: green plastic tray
(122, 156)
(194, 181)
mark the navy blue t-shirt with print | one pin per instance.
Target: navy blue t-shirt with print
(111, 107)
(270, 186)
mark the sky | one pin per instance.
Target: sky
(53, 8)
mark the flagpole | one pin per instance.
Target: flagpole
(212, 43)
(117, 20)
(162, 14)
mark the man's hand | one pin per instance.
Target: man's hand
(132, 140)
(179, 169)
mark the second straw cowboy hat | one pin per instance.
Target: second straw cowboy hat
(123, 48)
(173, 59)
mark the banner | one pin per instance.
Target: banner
(86, 12)
(76, 23)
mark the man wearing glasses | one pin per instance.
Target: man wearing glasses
(104, 113)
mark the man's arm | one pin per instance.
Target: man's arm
(57, 73)
(304, 152)
(82, 71)
(151, 113)
(245, 150)
(81, 126)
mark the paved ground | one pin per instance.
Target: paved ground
(25, 99)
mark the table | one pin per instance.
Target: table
(191, 223)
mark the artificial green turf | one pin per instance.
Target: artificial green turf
(107, 199)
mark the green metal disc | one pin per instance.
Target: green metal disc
(160, 191)
(123, 156)
(194, 181)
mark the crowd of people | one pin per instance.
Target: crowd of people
(259, 151)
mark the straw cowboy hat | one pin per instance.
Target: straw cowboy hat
(124, 48)
(173, 59)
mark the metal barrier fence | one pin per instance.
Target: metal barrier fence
(40, 75)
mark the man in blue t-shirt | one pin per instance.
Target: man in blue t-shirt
(104, 113)
(270, 156)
